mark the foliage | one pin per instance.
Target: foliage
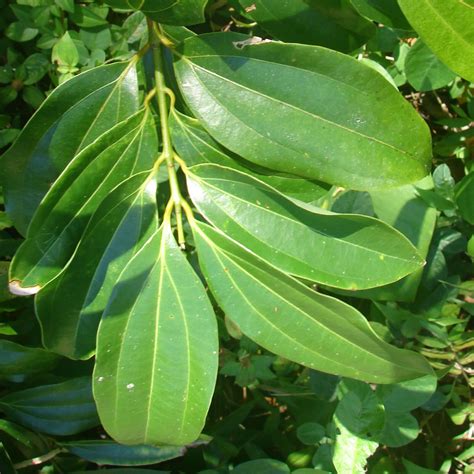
(231, 202)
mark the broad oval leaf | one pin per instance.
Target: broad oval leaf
(340, 250)
(58, 224)
(109, 452)
(73, 116)
(387, 12)
(195, 146)
(17, 362)
(70, 306)
(447, 27)
(343, 123)
(61, 409)
(156, 349)
(284, 316)
(334, 24)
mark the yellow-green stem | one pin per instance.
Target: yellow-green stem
(168, 153)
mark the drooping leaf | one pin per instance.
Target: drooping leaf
(289, 319)
(70, 306)
(157, 349)
(246, 97)
(425, 72)
(61, 409)
(17, 362)
(334, 24)
(108, 452)
(58, 224)
(339, 250)
(447, 27)
(387, 12)
(196, 146)
(73, 116)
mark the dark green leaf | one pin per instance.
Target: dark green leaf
(386, 12)
(61, 409)
(17, 362)
(108, 452)
(126, 149)
(72, 117)
(343, 251)
(447, 27)
(289, 319)
(331, 23)
(246, 97)
(157, 349)
(262, 466)
(465, 198)
(174, 12)
(70, 306)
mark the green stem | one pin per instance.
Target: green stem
(168, 154)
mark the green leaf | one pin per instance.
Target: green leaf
(195, 146)
(399, 429)
(287, 318)
(310, 433)
(61, 409)
(18, 362)
(359, 417)
(108, 452)
(155, 375)
(331, 127)
(57, 226)
(424, 71)
(386, 12)
(65, 52)
(331, 23)
(21, 32)
(5, 462)
(262, 466)
(72, 117)
(174, 12)
(343, 251)
(447, 27)
(122, 223)
(465, 198)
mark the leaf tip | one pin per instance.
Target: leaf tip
(16, 289)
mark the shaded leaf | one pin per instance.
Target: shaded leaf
(73, 116)
(245, 97)
(77, 297)
(465, 198)
(386, 12)
(287, 318)
(61, 409)
(155, 375)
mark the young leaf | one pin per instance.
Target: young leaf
(289, 319)
(157, 349)
(196, 146)
(447, 27)
(331, 23)
(108, 452)
(340, 250)
(72, 117)
(70, 306)
(61, 409)
(303, 110)
(58, 224)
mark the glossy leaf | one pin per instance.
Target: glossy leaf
(157, 349)
(58, 224)
(78, 296)
(245, 96)
(287, 318)
(61, 409)
(447, 27)
(73, 116)
(339, 250)
(424, 71)
(465, 198)
(196, 146)
(109, 452)
(331, 23)
(387, 12)
(17, 362)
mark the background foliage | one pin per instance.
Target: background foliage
(269, 414)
